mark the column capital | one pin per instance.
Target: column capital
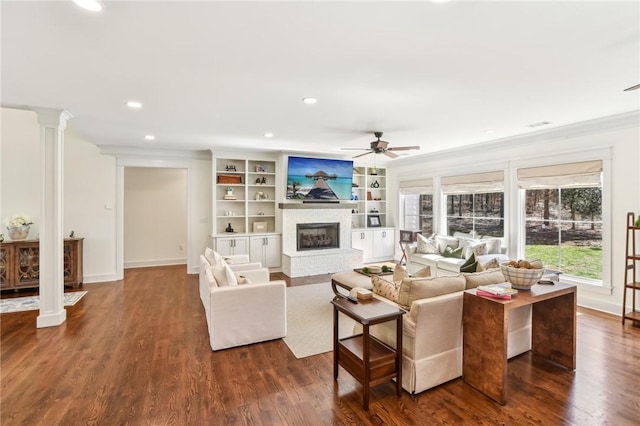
(52, 117)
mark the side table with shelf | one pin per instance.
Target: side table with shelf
(366, 358)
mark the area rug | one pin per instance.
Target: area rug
(31, 303)
(310, 320)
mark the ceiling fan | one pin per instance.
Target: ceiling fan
(382, 147)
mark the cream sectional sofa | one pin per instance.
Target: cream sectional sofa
(253, 310)
(432, 327)
(485, 249)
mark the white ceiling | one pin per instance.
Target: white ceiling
(221, 74)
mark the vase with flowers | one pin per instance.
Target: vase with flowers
(18, 227)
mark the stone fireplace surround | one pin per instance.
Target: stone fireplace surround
(303, 263)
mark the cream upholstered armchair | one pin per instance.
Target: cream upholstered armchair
(241, 305)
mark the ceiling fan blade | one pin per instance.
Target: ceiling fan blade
(390, 154)
(360, 155)
(402, 148)
(628, 89)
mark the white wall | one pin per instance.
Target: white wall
(90, 191)
(155, 216)
(21, 171)
(619, 136)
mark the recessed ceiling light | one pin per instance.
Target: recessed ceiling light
(91, 5)
(489, 131)
(150, 137)
(134, 104)
(268, 135)
(309, 100)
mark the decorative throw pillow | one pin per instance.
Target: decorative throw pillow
(399, 273)
(426, 245)
(450, 252)
(423, 273)
(385, 288)
(470, 264)
(241, 279)
(224, 275)
(492, 264)
(212, 256)
(479, 249)
(445, 241)
(494, 245)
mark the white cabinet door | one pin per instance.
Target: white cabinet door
(232, 245)
(383, 243)
(266, 249)
(362, 239)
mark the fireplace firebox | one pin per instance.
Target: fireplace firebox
(318, 236)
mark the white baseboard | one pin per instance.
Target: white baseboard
(99, 278)
(155, 262)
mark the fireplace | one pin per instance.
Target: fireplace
(317, 236)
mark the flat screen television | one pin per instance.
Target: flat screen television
(319, 179)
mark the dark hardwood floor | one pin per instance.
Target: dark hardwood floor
(136, 352)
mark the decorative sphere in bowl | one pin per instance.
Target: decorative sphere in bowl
(521, 278)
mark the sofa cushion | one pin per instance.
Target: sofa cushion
(413, 289)
(399, 273)
(454, 253)
(211, 280)
(445, 241)
(427, 245)
(450, 264)
(491, 276)
(426, 259)
(387, 289)
(492, 264)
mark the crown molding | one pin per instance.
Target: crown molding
(129, 152)
(599, 125)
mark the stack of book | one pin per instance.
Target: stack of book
(230, 197)
(497, 291)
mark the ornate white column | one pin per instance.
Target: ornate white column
(52, 124)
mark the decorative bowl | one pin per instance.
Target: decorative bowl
(521, 278)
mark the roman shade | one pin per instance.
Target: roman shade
(473, 183)
(417, 186)
(571, 175)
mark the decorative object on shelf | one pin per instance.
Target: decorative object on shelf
(369, 196)
(229, 228)
(374, 210)
(264, 180)
(373, 172)
(259, 226)
(373, 221)
(18, 227)
(260, 213)
(375, 184)
(230, 168)
(234, 179)
(229, 195)
(260, 168)
(258, 181)
(262, 196)
(72, 234)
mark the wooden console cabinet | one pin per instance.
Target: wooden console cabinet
(20, 263)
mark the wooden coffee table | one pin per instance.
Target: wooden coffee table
(366, 358)
(485, 331)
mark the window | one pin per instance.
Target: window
(416, 200)
(563, 217)
(475, 203)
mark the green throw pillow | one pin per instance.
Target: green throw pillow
(449, 252)
(470, 264)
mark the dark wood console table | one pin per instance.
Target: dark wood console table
(366, 358)
(485, 331)
(20, 263)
